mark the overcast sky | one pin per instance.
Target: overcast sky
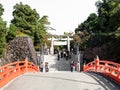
(64, 15)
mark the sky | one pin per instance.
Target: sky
(64, 15)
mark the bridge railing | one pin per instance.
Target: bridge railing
(107, 68)
(12, 70)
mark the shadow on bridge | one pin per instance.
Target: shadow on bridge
(60, 78)
(104, 81)
(98, 82)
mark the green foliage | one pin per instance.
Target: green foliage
(40, 35)
(27, 22)
(68, 33)
(11, 33)
(77, 39)
(86, 29)
(1, 10)
(3, 31)
(102, 30)
(25, 18)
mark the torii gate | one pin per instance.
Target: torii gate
(59, 41)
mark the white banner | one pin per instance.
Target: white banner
(60, 42)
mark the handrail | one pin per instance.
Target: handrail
(108, 68)
(12, 70)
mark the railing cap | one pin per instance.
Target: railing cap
(97, 57)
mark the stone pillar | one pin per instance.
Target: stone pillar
(52, 45)
(81, 61)
(68, 43)
(78, 49)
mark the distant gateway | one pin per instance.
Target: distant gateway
(59, 41)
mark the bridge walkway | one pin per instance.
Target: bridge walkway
(60, 78)
(64, 80)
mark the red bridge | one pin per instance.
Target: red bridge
(107, 68)
(28, 80)
(12, 70)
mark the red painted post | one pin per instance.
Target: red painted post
(84, 68)
(6, 70)
(26, 65)
(38, 68)
(106, 67)
(118, 71)
(97, 63)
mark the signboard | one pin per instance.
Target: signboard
(60, 42)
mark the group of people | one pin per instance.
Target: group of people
(63, 54)
(42, 67)
(75, 66)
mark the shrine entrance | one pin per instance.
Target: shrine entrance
(59, 41)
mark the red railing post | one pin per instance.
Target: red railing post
(5, 70)
(97, 63)
(84, 68)
(118, 71)
(38, 69)
(106, 67)
(26, 65)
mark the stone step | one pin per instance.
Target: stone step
(55, 65)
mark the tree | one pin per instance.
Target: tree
(86, 29)
(3, 31)
(1, 10)
(102, 31)
(25, 19)
(11, 33)
(42, 29)
(77, 39)
(68, 34)
(41, 35)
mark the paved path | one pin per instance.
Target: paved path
(60, 81)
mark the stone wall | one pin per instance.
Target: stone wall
(19, 49)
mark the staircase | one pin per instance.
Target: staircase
(55, 65)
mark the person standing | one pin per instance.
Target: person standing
(41, 67)
(78, 66)
(71, 66)
(58, 56)
(46, 67)
(66, 56)
(61, 54)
